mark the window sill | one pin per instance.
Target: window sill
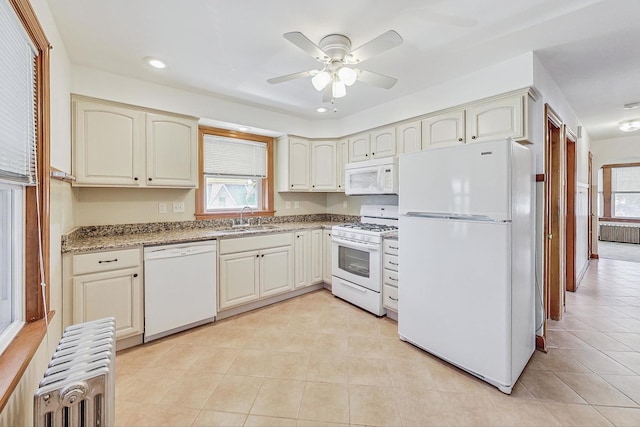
(613, 219)
(16, 358)
(235, 214)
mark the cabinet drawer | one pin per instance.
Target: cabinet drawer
(390, 278)
(256, 243)
(390, 246)
(390, 262)
(105, 261)
(390, 297)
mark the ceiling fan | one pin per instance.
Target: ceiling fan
(334, 51)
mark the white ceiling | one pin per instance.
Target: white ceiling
(229, 48)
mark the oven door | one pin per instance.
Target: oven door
(357, 262)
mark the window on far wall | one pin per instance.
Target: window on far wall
(235, 172)
(619, 191)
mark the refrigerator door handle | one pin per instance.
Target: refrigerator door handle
(482, 218)
(428, 215)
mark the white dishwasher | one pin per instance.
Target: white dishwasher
(179, 287)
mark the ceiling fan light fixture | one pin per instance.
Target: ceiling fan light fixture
(338, 90)
(630, 126)
(347, 75)
(321, 80)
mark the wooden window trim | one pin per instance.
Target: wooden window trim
(16, 358)
(267, 193)
(607, 208)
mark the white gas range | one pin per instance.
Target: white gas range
(357, 256)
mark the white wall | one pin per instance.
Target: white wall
(19, 408)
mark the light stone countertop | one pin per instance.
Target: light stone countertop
(89, 243)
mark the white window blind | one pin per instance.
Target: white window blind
(17, 100)
(234, 157)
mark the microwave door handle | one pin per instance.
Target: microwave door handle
(381, 178)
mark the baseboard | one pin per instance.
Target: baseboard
(594, 256)
(582, 273)
(541, 343)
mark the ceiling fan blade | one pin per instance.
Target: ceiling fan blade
(375, 79)
(382, 43)
(293, 76)
(307, 45)
(327, 94)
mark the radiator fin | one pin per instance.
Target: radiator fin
(78, 387)
(619, 233)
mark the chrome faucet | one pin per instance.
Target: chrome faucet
(242, 211)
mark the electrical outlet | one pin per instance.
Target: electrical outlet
(287, 205)
(162, 208)
(296, 205)
(178, 207)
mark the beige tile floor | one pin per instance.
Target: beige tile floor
(316, 360)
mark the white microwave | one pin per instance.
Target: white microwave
(378, 176)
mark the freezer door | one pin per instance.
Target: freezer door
(455, 296)
(472, 179)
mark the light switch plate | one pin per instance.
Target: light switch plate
(162, 208)
(296, 205)
(178, 207)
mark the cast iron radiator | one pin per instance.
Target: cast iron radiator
(78, 387)
(619, 233)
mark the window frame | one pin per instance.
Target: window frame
(267, 183)
(607, 193)
(16, 358)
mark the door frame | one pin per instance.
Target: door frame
(590, 212)
(570, 208)
(554, 213)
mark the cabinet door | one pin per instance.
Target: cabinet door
(443, 129)
(496, 119)
(110, 294)
(323, 166)
(302, 259)
(299, 154)
(359, 148)
(315, 257)
(383, 143)
(108, 143)
(172, 151)
(326, 248)
(276, 270)
(342, 159)
(409, 137)
(239, 276)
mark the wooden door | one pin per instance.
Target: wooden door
(570, 218)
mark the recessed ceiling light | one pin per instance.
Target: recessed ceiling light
(321, 110)
(155, 62)
(631, 105)
(630, 126)
(243, 128)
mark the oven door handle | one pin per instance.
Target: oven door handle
(369, 247)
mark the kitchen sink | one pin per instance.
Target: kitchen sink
(246, 229)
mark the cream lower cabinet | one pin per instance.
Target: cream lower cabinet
(308, 258)
(106, 284)
(390, 274)
(326, 257)
(252, 268)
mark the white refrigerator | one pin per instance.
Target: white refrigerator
(466, 258)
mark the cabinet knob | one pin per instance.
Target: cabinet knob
(473, 137)
(291, 185)
(460, 139)
(150, 179)
(366, 155)
(373, 154)
(258, 256)
(262, 255)
(135, 178)
(135, 275)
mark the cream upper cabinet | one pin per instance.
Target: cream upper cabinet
(444, 129)
(323, 166)
(383, 143)
(359, 147)
(409, 137)
(341, 160)
(108, 144)
(293, 169)
(172, 151)
(326, 257)
(116, 145)
(496, 119)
